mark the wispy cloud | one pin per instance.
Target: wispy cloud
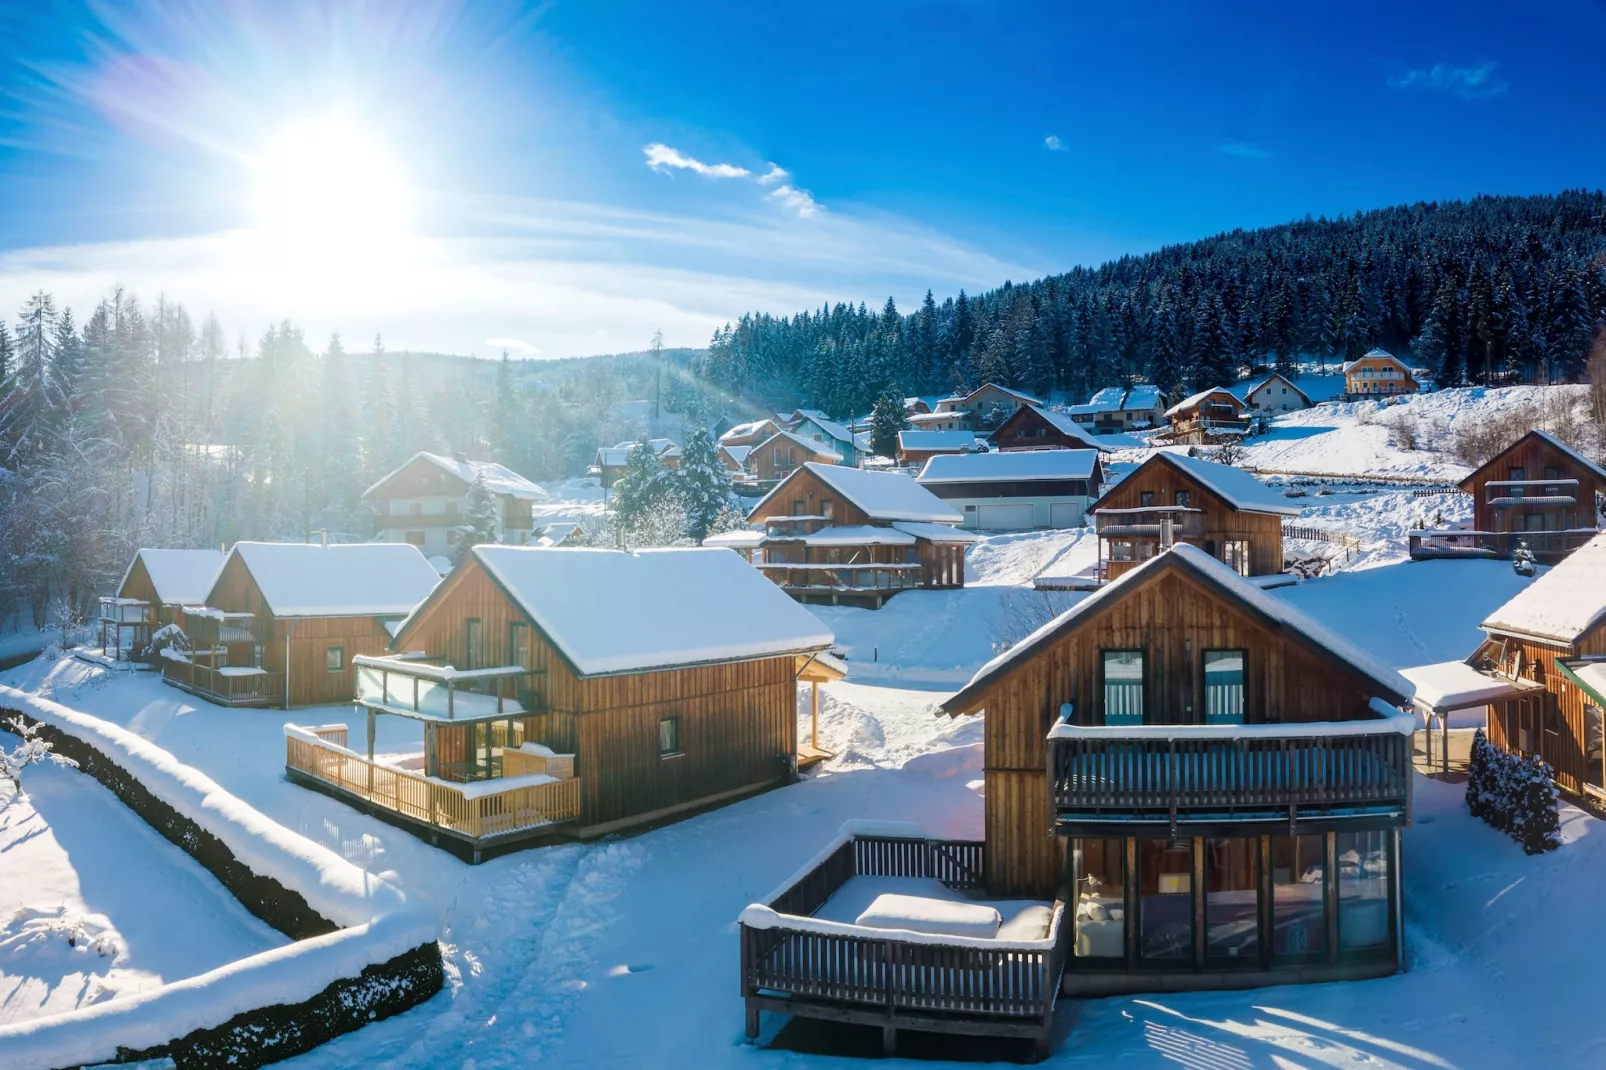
(1053, 143)
(793, 198)
(1468, 83)
(661, 157)
(515, 346)
(1243, 150)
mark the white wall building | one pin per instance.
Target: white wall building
(1017, 490)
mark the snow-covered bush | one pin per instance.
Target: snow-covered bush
(168, 637)
(30, 751)
(1522, 560)
(1515, 794)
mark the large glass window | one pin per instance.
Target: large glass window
(1232, 916)
(1363, 889)
(1123, 687)
(1165, 881)
(1235, 555)
(1100, 893)
(1299, 911)
(1224, 686)
(518, 643)
(1120, 550)
(474, 644)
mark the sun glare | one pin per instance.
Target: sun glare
(324, 185)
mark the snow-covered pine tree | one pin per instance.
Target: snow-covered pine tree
(1533, 802)
(887, 418)
(702, 483)
(639, 488)
(1522, 560)
(479, 516)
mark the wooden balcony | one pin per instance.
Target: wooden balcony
(1548, 546)
(1108, 777)
(227, 686)
(1504, 493)
(794, 527)
(1186, 523)
(795, 963)
(207, 628)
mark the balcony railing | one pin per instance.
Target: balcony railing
(207, 627)
(827, 577)
(1460, 542)
(426, 691)
(1503, 492)
(1186, 523)
(1178, 772)
(227, 686)
(794, 527)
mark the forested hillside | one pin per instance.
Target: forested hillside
(1499, 289)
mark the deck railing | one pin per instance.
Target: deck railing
(870, 576)
(474, 812)
(898, 982)
(1158, 771)
(226, 688)
(1186, 523)
(1462, 542)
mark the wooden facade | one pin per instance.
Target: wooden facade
(1130, 514)
(137, 584)
(784, 453)
(1535, 485)
(1207, 415)
(986, 407)
(1378, 374)
(737, 720)
(1032, 428)
(424, 502)
(1561, 724)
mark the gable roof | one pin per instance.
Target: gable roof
(752, 427)
(1060, 422)
(937, 440)
(1282, 614)
(686, 606)
(180, 577)
(885, 496)
(363, 579)
(499, 479)
(1143, 396)
(1241, 390)
(1232, 485)
(1196, 399)
(819, 449)
(830, 427)
(1013, 466)
(1377, 354)
(1564, 603)
(736, 453)
(1024, 399)
(1551, 440)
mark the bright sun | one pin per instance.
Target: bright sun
(324, 184)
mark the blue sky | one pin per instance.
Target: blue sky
(577, 174)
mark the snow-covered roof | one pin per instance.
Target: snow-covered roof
(1555, 443)
(618, 456)
(860, 535)
(1196, 399)
(1392, 684)
(1454, 685)
(935, 532)
(499, 479)
(1232, 485)
(1375, 354)
(1107, 399)
(819, 449)
(934, 417)
(830, 427)
(181, 577)
(1591, 674)
(1245, 387)
(936, 440)
(556, 533)
(1063, 423)
(1024, 398)
(1144, 396)
(739, 537)
(1564, 603)
(364, 579)
(737, 453)
(616, 611)
(746, 430)
(1014, 466)
(881, 495)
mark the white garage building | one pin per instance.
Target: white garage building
(1017, 490)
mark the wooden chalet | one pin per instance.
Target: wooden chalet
(156, 587)
(734, 458)
(1171, 497)
(655, 683)
(1272, 394)
(915, 448)
(784, 453)
(1537, 492)
(915, 406)
(850, 536)
(985, 407)
(611, 461)
(425, 502)
(1207, 416)
(750, 433)
(1540, 673)
(1033, 427)
(1378, 374)
(283, 622)
(1224, 781)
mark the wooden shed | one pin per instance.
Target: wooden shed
(1214, 781)
(671, 676)
(1223, 510)
(283, 621)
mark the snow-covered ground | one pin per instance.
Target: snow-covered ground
(94, 904)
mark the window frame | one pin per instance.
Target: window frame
(473, 643)
(1204, 684)
(677, 750)
(340, 659)
(1143, 684)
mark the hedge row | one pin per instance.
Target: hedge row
(1515, 794)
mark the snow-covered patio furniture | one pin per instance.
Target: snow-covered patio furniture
(830, 944)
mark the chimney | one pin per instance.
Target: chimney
(1167, 539)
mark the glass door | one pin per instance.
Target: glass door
(1165, 889)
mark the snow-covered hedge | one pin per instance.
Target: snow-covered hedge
(1515, 794)
(364, 951)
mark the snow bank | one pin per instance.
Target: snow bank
(919, 914)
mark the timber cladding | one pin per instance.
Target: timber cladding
(1162, 480)
(1539, 459)
(1550, 723)
(805, 494)
(736, 721)
(1173, 618)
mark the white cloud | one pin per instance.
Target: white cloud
(1468, 83)
(775, 174)
(1053, 143)
(798, 200)
(514, 345)
(1245, 151)
(661, 157)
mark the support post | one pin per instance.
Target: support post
(814, 715)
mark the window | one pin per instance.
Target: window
(1516, 473)
(668, 737)
(474, 644)
(1235, 555)
(798, 507)
(518, 643)
(1299, 903)
(1181, 499)
(1165, 914)
(415, 538)
(828, 508)
(1363, 889)
(1232, 899)
(1123, 686)
(256, 655)
(1145, 498)
(1120, 550)
(1100, 893)
(334, 658)
(1224, 686)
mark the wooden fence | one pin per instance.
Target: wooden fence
(226, 688)
(897, 983)
(443, 806)
(1335, 538)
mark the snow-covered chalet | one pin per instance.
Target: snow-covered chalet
(426, 500)
(156, 587)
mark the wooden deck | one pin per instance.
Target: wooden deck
(809, 755)
(224, 688)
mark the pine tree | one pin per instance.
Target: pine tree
(701, 483)
(479, 516)
(886, 420)
(639, 488)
